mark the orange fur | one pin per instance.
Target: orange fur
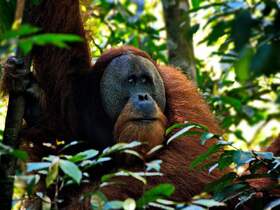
(184, 103)
(150, 134)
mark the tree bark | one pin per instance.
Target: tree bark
(10, 138)
(13, 125)
(179, 36)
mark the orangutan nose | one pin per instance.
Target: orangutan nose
(145, 104)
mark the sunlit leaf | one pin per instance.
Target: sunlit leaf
(242, 65)
(71, 170)
(242, 157)
(180, 133)
(199, 159)
(129, 204)
(272, 204)
(112, 205)
(52, 172)
(159, 191)
(154, 165)
(208, 203)
(35, 166)
(196, 3)
(206, 136)
(84, 155)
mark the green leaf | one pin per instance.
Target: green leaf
(133, 153)
(52, 172)
(265, 155)
(230, 191)
(84, 155)
(244, 198)
(7, 9)
(23, 30)
(193, 207)
(153, 165)
(272, 204)
(159, 191)
(58, 40)
(135, 175)
(72, 143)
(208, 203)
(154, 149)
(35, 166)
(129, 204)
(242, 157)
(214, 148)
(196, 3)
(71, 170)
(206, 136)
(242, 65)
(232, 101)
(180, 133)
(226, 159)
(221, 183)
(112, 205)
(175, 126)
(98, 201)
(22, 155)
(120, 147)
(183, 125)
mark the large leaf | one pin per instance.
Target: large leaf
(221, 183)
(208, 203)
(7, 10)
(184, 131)
(20, 154)
(23, 30)
(84, 155)
(111, 205)
(196, 3)
(53, 172)
(35, 166)
(136, 175)
(159, 191)
(58, 40)
(199, 159)
(242, 65)
(242, 157)
(129, 204)
(71, 170)
(273, 204)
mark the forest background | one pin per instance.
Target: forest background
(230, 48)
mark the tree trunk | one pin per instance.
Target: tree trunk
(179, 36)
(10, 138)
(13, 125)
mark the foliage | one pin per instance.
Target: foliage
(6, 150)
(259, 166)
(246, 36)
(125, 22)
(63, 170)
(243, 35)
(25, 38)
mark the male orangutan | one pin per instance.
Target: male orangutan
(124, 96)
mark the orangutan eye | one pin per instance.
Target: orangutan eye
(131, 79)
(144, 80)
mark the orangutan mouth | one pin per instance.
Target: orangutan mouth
(144, 120)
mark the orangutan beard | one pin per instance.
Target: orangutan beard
(149, 132)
